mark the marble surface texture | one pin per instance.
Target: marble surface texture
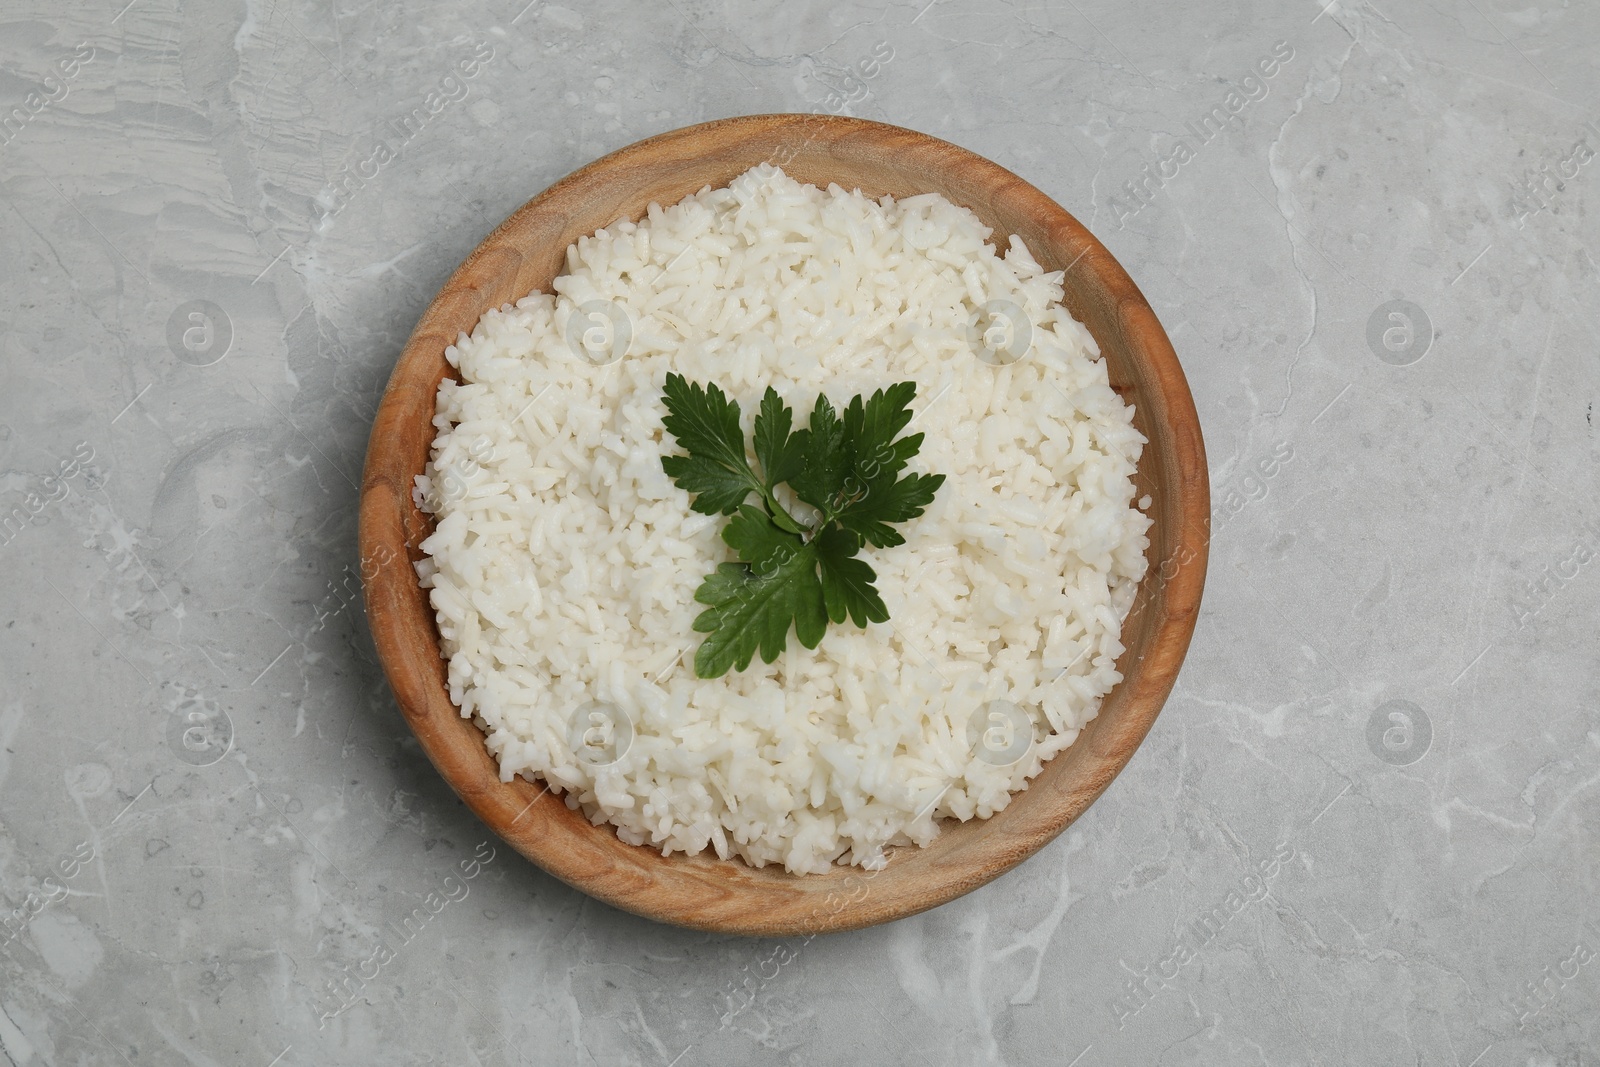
(1362, 831)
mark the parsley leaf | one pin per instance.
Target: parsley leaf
(706, 424)
(873, 495)
(846, 581)
(870, 429)
(823, 463)
(759, 540)
(747, 612)
(885, 501)
(779, 452)
(790, 573)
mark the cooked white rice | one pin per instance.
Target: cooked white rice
(565, 562)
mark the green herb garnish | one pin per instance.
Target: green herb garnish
(804, 573)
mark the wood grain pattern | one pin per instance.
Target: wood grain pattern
(523, 254)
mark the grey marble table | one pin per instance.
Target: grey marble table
(1362, 831)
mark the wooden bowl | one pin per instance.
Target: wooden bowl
(703, 892)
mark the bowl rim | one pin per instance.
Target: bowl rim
(683, 890)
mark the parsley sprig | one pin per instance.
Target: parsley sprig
(849, 470)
